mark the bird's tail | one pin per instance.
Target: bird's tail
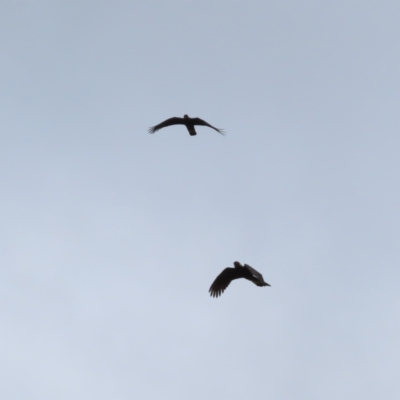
(192, 131)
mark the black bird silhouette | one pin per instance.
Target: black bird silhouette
(223, 280)
(187, 121)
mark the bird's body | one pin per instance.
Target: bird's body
(223, 280)
(187, 121)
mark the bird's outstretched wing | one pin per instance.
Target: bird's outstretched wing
(259, 280)
(199, 121)
(167, 122)
(222, 281)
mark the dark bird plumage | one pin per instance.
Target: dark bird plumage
(187, 121)
(223, 280)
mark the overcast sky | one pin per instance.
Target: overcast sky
(110, 237)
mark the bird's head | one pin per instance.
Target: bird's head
(186, 116)
(237, 264)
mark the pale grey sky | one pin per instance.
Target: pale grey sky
(111, 237)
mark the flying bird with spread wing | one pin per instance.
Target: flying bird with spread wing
(187, 121)
(223, 280)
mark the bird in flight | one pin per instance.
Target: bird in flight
(187, 121)
(223, 280)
